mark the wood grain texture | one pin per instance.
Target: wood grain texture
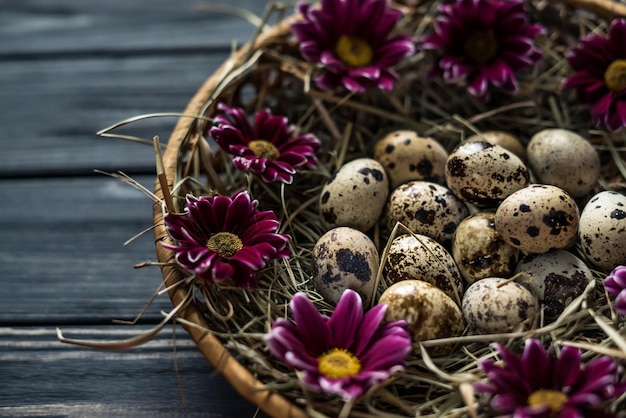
(52, 110)
(69, 69)
(42, 377)
(64, 256)
(69, 26)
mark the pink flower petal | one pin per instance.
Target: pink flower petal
(540, 372)
(314, 331)
(369, 326)
(386, 352)
(346, 319)
(567, 367)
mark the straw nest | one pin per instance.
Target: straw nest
(228, 323)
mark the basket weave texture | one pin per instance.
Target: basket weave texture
(186, 138)
(211, 347)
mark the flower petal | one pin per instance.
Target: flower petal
(312, 326)
(567, 367)
(346, 319)
(536, 364)
(386, 352)
(369, 326)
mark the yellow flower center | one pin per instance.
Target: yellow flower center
(225, 244)
(354, 52)
(481, 46)
(264, 149)
(554, 399)
(338, 363)
(615, 75)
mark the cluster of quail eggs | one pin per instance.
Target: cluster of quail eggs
(482, 239)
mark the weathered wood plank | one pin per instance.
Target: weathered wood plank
(43, 377)
(64, 26)
(51, 111)
(63, 256)
(70, 68)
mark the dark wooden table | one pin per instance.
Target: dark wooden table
(69, 68)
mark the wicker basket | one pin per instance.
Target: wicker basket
(240, 378)
(186, 139)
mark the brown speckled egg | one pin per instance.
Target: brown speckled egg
(426, 208)
(355, 195)
(504, 139)
(480, 251)
(420, 257)
(602, 230)
(344, 258)
(538, 218)
(429, 312)
(484, 174)
(564, 159)
(558, 278)
(407, 156)
(491, 305)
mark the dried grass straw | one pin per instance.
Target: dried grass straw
(228, 324)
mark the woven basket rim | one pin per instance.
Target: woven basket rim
(210, 346)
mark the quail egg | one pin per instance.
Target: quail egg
(558, 278)
(426, 208)
(484, 174)
(602, 230)
(480, 251)
(538, 218)
(495, 305)
(344, 258)
(355, 195)
(422, 258)
(408, 156)
(564, 159)
(504, 139)
(429, 312)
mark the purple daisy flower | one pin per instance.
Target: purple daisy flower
(351, 39)
(483, 43)
(268, 147)
(222, 237)
(615, 284)
(345, 354)
(600, 75)
(537, 384)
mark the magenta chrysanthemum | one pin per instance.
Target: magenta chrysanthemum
(351, 39)
(599, 65)
(221, 238)
(483, 43)
(268, 147)
(538, 384)
(615, 284)
(342, 355)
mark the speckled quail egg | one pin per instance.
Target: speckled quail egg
(344, 258)
(538, 218)
(426, 208)
(355, 195)
(407, 156)
(496, 305)
(504, 139)
(564, 159)
(422, 258)
(429, 312)
(480, 251)
(484, 174)
(602, 230)
(558, 278)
